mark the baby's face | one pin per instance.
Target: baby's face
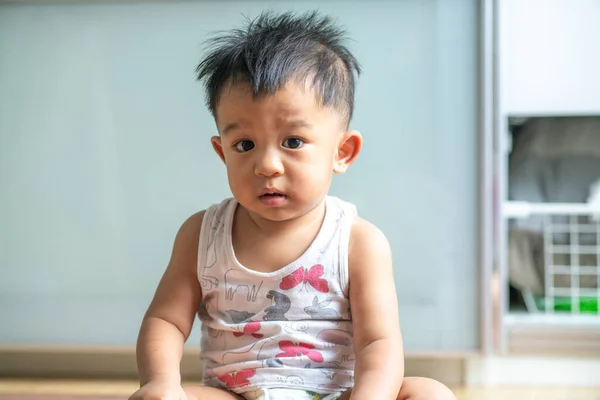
(279, 150)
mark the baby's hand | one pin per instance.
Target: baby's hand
(158, 390)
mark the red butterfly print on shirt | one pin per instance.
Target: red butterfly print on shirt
(250, 328)
(237, 379)
(290, 349)
(303, 275)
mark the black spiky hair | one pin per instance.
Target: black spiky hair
(272, 49)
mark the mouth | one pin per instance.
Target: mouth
(272, 198)
(272, 193)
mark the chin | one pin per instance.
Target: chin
(275, 214)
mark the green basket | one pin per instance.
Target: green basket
(587, 304)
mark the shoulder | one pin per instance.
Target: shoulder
(188, 235)
(365, 237)
(368, 247)
(192, 225)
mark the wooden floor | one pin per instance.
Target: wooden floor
(122, 389)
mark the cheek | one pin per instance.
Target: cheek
(321, 161)
(236, 173)
(315, 173)
(235, 164)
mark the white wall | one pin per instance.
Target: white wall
(104, 151)
(549, 56)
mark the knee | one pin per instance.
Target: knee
(425, 389)
(438, 391)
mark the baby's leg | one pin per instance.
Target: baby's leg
(424, 389)
(209, 393)
(419, 389)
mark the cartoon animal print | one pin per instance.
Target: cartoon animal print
(214, 333)
(329, 373)
(216, 221)
(238, 379)
(336, 263)
(347, 361)
(251, 328)
(203, 313)
(213, 339)
(296, 327)
(320, 310)
(347, 358)
(291, 379)
(273, 363)
(211, 300)
(294, 380)
(209, 372)
(267, 352)
(232, 276)
(339, 218)
(306, 276)
(208, 282)
(333, 337)
(332, 387)
(291, 349)
(239, 317)
(332, 364)
(232, 357)
(277, 311)
(211, 252)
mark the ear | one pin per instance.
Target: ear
(348, 149)
(218, 147)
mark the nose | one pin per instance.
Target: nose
(268, 163)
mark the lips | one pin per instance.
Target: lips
(271, 192)
(272, 198)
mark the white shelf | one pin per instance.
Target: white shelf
(523, 209)
(524, 319)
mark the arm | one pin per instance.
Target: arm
(377, 339)
(169, 319)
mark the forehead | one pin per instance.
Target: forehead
(293, 100)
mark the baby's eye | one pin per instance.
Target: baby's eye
(244, 145)
(293, 143)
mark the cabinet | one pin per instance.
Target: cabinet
(548, 62)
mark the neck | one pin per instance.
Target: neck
(268, 227)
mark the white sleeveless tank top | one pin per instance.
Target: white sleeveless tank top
(291, 328)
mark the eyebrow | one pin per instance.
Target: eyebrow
(230, 127)
(298, 123)
(295, 123)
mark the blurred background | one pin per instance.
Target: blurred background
(481, 164)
